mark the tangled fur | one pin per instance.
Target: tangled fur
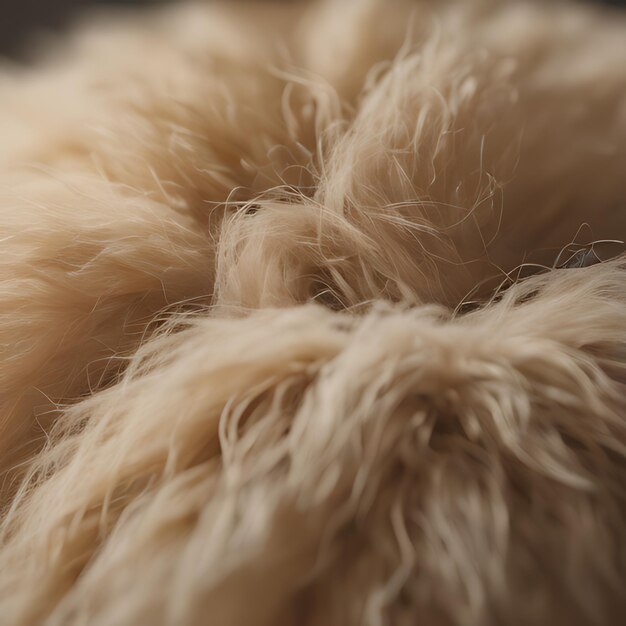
(297, 322)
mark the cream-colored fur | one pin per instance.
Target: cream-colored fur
(269, 348)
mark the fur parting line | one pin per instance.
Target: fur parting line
(314, 314)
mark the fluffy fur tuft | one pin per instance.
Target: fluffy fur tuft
(297, 324)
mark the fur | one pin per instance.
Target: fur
(297, 322)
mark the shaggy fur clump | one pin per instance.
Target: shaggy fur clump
(308, 316)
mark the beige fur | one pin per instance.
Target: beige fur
(269, 348)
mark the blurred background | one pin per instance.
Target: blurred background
(23, 20)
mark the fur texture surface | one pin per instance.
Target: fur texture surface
(298, 323)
